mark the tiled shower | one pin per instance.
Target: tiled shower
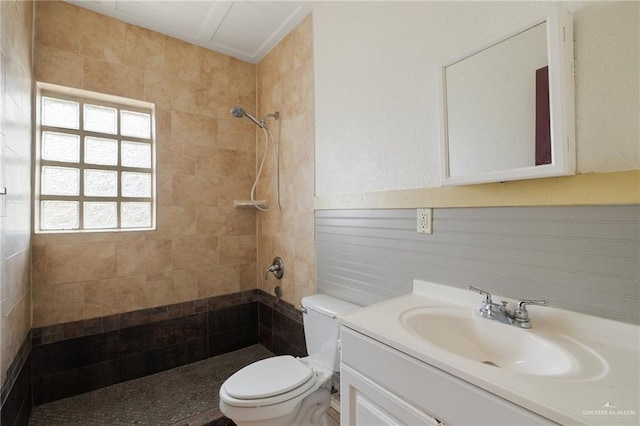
(129, 304)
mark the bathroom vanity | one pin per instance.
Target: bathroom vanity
(429, 358)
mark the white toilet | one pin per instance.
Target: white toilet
(284, 390)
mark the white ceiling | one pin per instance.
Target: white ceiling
(247, 30)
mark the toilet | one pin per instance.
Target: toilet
(285, 390)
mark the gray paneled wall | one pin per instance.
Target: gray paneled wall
(585, 259)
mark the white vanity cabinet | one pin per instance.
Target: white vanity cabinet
(383, 386)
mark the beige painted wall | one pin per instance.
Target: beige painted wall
(203, 246)
(285, 84)
(15, 174)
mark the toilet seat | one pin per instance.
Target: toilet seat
(270, 381)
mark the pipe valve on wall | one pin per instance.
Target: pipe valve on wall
(276, 268)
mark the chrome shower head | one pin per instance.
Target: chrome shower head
(239, 112)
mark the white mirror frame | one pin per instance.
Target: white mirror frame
(561, 104)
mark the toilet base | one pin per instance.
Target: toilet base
(311, 411)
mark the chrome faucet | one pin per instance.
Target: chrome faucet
(499, 311)
(276, 268)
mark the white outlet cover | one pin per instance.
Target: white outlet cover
(424, 222)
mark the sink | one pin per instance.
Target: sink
(462, 332)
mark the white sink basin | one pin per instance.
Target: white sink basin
(462, 332)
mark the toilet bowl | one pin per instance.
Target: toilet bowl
(284, 390)
(281, 390)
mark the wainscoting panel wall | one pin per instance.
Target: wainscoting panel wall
(584, 259)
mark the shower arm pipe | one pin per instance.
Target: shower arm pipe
(263, 122)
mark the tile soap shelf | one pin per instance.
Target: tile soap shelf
(248, 204)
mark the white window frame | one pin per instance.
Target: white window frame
(44, 90)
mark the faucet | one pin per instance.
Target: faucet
(499, 311)
(276, 268)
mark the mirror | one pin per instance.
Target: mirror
(508, 107)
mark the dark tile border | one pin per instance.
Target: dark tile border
(15, 395)
(83, 328)
(90, 354)
(14, 368)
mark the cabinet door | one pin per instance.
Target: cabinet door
(365, 403)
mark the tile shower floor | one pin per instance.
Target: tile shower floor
(186, 395)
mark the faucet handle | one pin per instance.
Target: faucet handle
(485, 308)
(522, 304)
(486, 294)
(520, 313)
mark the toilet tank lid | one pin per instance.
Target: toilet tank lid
(327, 305)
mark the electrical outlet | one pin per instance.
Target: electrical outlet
(425, 221)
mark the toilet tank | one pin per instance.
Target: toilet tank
(321, 327)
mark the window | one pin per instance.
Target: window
(95, 166)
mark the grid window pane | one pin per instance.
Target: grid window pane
(60, 181)
(95, 169)
(136, 154)
(136, 184)
(135, 124)
(100, 119)
(59, 215)
(100, 151)
(100, 183)
(136, 215)
(60, 113)
(100, 215)
(60, 147)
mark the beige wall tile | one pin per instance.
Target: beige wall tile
(234, 189)
(57, 304)
(247, 274)
(102, 37)
(15, 277)
(175, 222)
(58, 66)
(225, 221)
(193, 253)
(145, 49)
(105, 77)
(182, 60)
(193, 128)
(225, 164)
(159, 289)
(143, 257)
(194, 190)
(106, 297)
(170, 158)
(235, 134)
(237, 250)
(285, 83)
(16, 324)
(59, 29)
(217, 280)
(67, 263)
(164, 189)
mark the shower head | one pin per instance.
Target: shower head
(239, 112)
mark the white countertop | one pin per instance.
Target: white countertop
(608, 392)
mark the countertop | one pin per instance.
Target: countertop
(606, 392)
